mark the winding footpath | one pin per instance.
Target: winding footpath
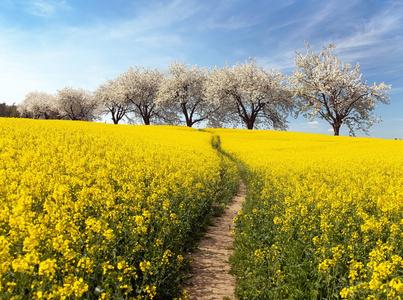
(210, 278)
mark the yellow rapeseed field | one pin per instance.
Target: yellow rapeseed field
(323, 218)
(97, 211)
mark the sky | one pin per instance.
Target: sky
(46, 45)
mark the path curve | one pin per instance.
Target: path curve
(210, 278)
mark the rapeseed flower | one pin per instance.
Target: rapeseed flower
(328, 208)
(88, 210)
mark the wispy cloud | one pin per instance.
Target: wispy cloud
(285, 3)
(377, 43)
(282, 60)
(48, 58)
(45, 8)
(42, 8)
(220, 15)
(377, 30)
(160, 15)
(230, 23)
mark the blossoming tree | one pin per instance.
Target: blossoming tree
(250, 94)
(139, 87)
(38, 105)
(182, 92)
(110, 102)
(76, 104)
(332, 90)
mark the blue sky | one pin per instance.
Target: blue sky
(46, 45)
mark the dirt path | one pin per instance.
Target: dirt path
(210, 279)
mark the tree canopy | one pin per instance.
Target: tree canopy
(245, 94)
(76, 104)
(182, 92)
(111, 102)
(250, 94)
(139, 87)
(332, 90)
(39, 105)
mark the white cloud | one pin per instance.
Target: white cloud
(285, 3)
(221, 15)
(50, 58)
(45, 8)
(396, 89)
(283, 61)
(231, 23)
(377, 41)
(160, 16)
(375, 30)
(42, 8)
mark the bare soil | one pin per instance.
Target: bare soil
(210, 278)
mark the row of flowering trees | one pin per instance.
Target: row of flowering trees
(69, 103)
(246, 93)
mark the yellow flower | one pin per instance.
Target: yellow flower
(144, 266)
(108, 234)
(47, 268)
(397, 285)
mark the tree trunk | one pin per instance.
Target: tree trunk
(250, 125)
(146, 120)
(336, 129)
(188, 118)
(114, 118)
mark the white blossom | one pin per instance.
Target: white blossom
(38, 105)
(334, 91)
(139, 87)
(249, 94)
(111, 102)
(182, 93)
(76, 104)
